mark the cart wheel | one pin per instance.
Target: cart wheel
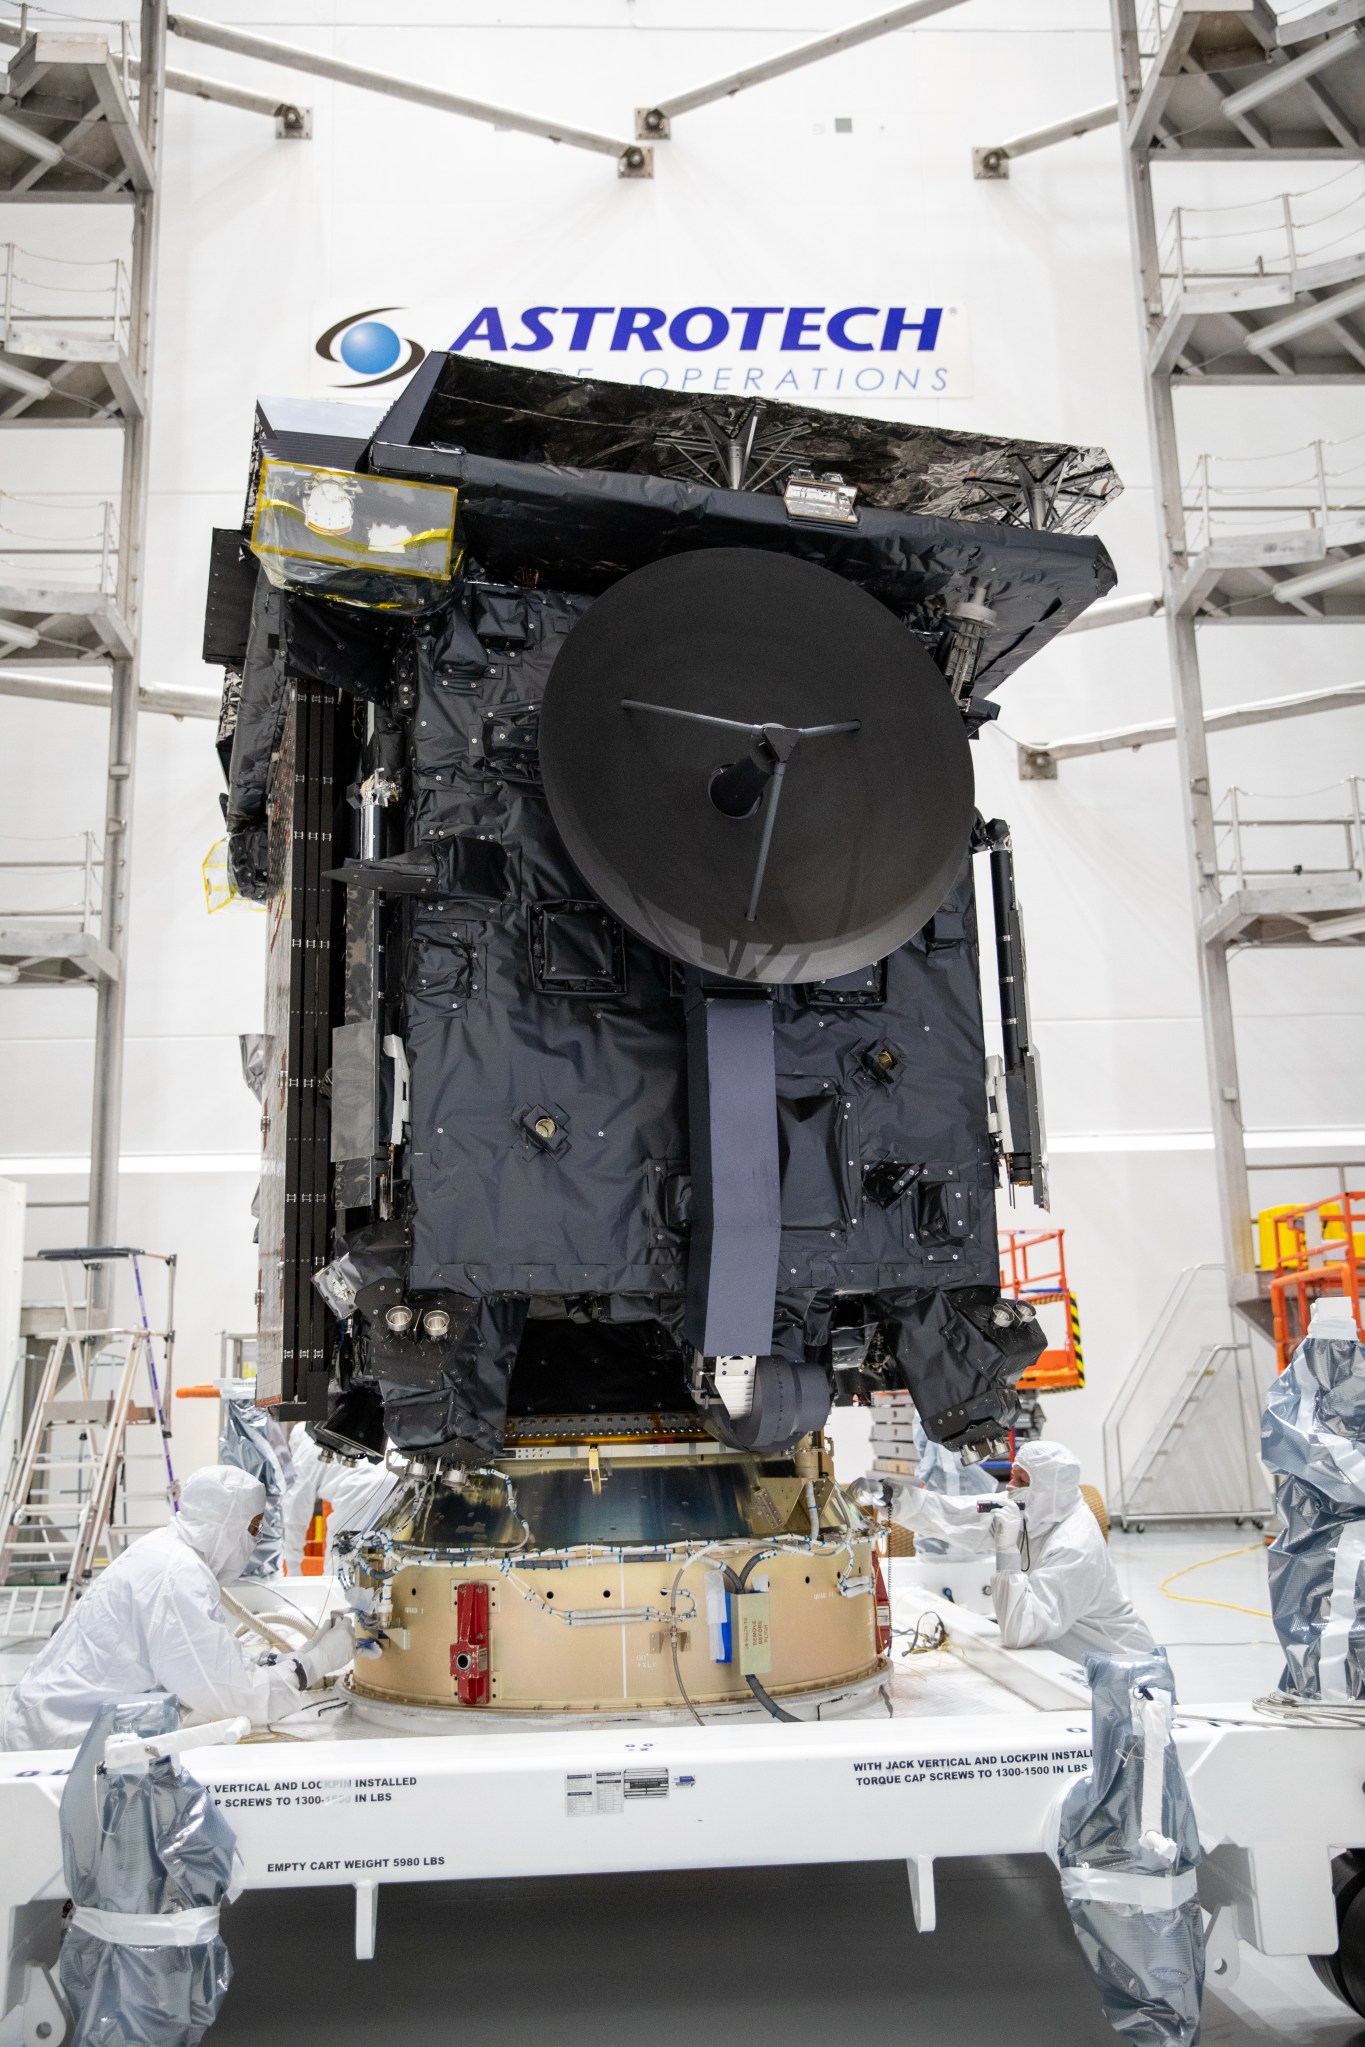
(1344, 1972)
(1094, 1500)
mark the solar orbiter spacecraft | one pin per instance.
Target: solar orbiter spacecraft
(603, 757)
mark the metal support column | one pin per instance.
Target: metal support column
(106, 1116)
(1191, 738)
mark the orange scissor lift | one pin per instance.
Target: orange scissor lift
(1310, 1251)
(1033, 1269)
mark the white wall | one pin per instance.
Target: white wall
(265, 242)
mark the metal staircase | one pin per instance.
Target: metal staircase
(1181, 1441)
(93, 1470)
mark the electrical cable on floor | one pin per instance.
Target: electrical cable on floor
(938, 1637)
(1228, 1605)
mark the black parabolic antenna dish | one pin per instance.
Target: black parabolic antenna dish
(851, 759)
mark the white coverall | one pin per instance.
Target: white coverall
(1064, 1595)
(353, 1491)
(152, 1621)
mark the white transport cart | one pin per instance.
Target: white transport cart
(966, 1756)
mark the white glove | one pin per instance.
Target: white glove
(332, 1650)
(1007, 1528)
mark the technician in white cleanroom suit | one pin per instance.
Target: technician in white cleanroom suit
(1054, 1586)
(353, 1491)
(152, 1621)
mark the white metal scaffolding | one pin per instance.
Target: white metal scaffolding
(1253, 293)
(1198, 84)
(75, 350)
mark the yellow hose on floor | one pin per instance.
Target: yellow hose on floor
(1227, 1605)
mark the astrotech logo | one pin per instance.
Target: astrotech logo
(366, 344)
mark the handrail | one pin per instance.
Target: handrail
(1136, 1383)
(1317, 1252)
(88, 866)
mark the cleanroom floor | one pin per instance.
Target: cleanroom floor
(735, 1958)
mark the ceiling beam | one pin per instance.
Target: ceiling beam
(652, 123)
(632, 161)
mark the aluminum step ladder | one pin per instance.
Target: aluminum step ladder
(76, 1497)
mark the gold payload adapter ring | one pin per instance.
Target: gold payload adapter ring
(669, 1578)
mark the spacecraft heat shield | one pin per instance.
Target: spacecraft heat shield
(577, 481)
(1313, 1440)
(148, 1860)
(585, 479)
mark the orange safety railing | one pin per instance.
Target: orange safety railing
(1319, 1250)
(1033, 1268)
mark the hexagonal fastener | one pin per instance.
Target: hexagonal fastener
(651, 125)
(635, 162)
(993, 162)
(294, 124)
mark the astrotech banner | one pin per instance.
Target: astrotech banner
(874, 349)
